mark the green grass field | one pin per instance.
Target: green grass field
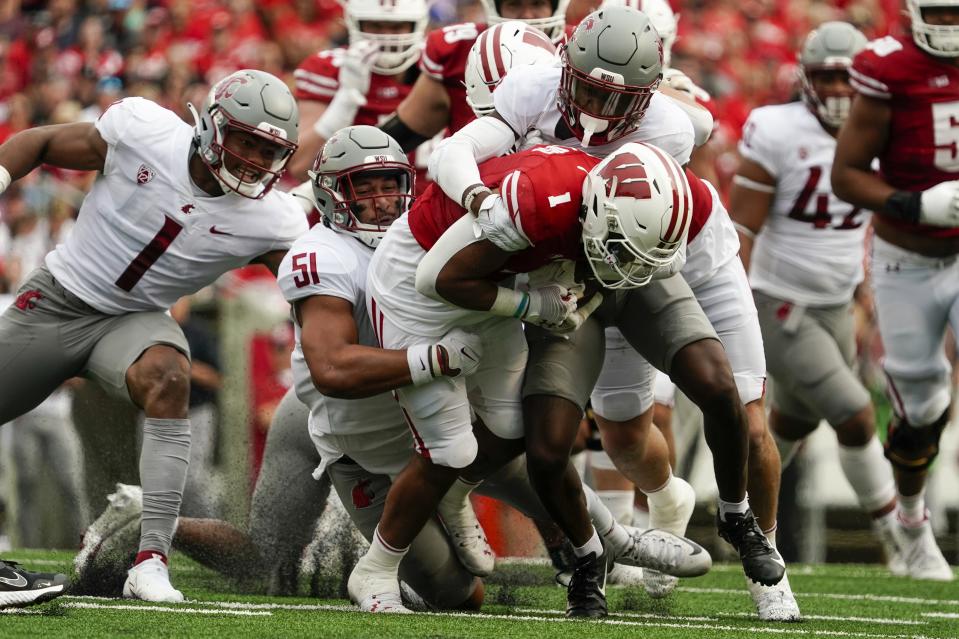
(837, 601)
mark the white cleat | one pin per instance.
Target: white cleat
(665, 552)
(150, 581)
(625, 576)
(469, 540)
(125, 505)
(887, 531)
(774, 603)
(375, 591)
(673, 519)
(922, 555)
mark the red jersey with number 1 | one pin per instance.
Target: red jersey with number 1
(542, 189)
(923, 138)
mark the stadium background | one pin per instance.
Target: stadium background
(67, 60)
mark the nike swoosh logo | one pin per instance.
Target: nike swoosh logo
(778, 560)
(467, 355)
(214, 230)
(19, 582)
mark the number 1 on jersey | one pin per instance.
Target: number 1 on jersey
(150, 254)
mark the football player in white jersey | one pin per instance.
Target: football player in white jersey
(599, 105)
(805, 249)
(174, 208)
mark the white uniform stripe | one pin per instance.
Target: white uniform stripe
(514, 198)
(871, 82)
(865, 90)
(314, 88)
(429, 65)
(316, 78)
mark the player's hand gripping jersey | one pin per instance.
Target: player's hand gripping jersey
(146, 236)
(922, 149)
(811, 248)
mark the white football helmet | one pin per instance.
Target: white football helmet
(253, 102)
(638, 207)
(938, 39)
(495, 52)
(399, 51)
(661, 15)
(552, 26)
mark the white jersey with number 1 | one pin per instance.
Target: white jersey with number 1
(146, 235)
(810, 251)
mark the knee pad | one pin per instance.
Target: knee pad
(622, 405)
(458, 451)
(913, 449)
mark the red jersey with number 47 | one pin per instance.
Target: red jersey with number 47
(923, 138)
(543, 190)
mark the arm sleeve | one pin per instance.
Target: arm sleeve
(524, 95)
(316, 267)
(758, 142)
(454, 163)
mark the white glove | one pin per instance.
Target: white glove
(580, 315)
(940, 205)
(562, 272)
(531, 139)
(550, 306)
(679, 81)
(457, 354)
(494, 221)
(354, 83)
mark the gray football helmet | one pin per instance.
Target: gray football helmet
(611, 66)
(253, 102)
(830, 47)
(352, 153)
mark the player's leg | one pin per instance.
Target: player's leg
(145, 357)
(914, 296)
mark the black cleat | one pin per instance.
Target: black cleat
(19, 587)
(761, 562)
(586, 593)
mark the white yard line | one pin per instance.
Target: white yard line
(198, 611)
(942, 615)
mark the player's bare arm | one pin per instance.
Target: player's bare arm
(466, 278)
(75, 146)
(310, 141)
(339, 365)
(271, 260)
(861, 139)
(749, 201)
(424, 113)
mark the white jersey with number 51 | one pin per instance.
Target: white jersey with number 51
(146, 235)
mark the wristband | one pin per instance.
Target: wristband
(471, 194)
(5, 178)
(510, 303)
(421, 364)
(904, 205)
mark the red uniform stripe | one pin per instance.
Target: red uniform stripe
(417, 440)
(678, 215)
(498, 52)
(487, 72)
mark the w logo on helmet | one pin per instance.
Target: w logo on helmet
(627, 177)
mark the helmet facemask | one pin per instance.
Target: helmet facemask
(940, 40)
(553, 26)
(597, 107)
(831, 108)
(397, 51)
(336, 195)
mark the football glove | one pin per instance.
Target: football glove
(495, 222)
(679, 81)
(354, 84)
(457, 354)
(940, 205)
(550, 306)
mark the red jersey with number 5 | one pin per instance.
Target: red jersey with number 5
(541, 188)
(444, 60)
(923, 138)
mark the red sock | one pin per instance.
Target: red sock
(143, 555)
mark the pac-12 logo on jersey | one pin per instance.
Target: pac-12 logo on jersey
(144, 174)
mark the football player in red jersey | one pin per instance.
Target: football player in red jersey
(438, 99)
(906, 114)
(362, 83)
(432, 271)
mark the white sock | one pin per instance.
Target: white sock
(869, 474)
(733, 507)
(458, 493)
(665, 496)
(912, 508)
(640, 518)
(615, 535)
(620, 504)
(593, 545)
(771, 535)
(384, 556)
(787, 448)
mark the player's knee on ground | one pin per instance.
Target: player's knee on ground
(913, 448)
(457, 451)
